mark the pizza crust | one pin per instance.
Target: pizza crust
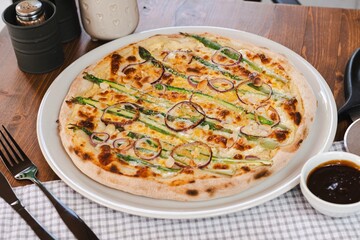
(200, 189)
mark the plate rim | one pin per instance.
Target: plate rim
(284, 187)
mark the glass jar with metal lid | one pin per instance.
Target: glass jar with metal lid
(30, 12)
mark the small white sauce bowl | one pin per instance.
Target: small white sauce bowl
(324, 207)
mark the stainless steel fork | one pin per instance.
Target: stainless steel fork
(22, 168)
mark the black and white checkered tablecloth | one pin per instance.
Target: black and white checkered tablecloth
(288, 216)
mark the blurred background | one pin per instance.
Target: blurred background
(352, 4)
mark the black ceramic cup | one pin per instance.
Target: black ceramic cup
(37, 48)
(68, 19)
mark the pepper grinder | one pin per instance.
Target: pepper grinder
(30, 13)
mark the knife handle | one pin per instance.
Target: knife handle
(76, 225)
(31, 221)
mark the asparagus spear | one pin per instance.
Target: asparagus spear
(216, 46)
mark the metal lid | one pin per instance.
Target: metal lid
(29, 10)
(351, 138)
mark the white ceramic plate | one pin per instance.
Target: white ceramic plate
(320, 138)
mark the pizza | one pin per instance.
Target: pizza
(186, 116)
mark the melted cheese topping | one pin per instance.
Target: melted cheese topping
(179, 69)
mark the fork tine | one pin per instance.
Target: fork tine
(9, 149)
(10, 157)
(24, 157)
(5, 160)
(7, 163)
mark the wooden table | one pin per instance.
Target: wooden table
(325, 37)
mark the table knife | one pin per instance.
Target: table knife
(9, 196)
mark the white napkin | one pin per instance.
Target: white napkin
(288, 216)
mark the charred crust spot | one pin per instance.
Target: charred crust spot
(211, 191)
(257, 81)
(105, 156)
(82, 114)
(245, 168)
(142, 172)
(280, 135)
(273, 116)
(166, 76)
(261, 174)
(76, 151)
(238, 156)
(240, 145)
(263, 58)
(296, 117)
(140, 101)
(299, 142)
(290, 105)
(218, 139)
(86, 156)
(86, 124)
(192, 192)
(169, 80)
(129, 71)
(69, 102)
(187, 171)
(243, 71)
(180, 182)
(115, 63)
(224, 113)
(131, 58)
(104, 94)
(71, 149)
(220, 166)
(290, 108)
(226, 185)
(114, 169)
(83, 155)
(120, 97)
(194, 70)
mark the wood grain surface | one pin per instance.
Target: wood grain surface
(325, 37)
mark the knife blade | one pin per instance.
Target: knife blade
(9, 196)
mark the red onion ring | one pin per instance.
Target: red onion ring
(222, 81)
(131, 65)
(219, 52)
(122, 122)
(243, 99)
(145, 154)
(99, 138)
(194, 106)
(192, 82)
(152, 62)
(122, 144)
(191, 160)
(270, 113)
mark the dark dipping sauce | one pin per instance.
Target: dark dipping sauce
(336, 181)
